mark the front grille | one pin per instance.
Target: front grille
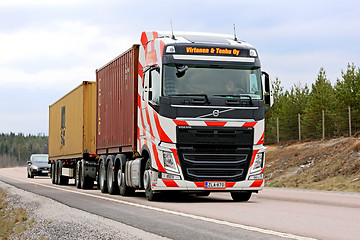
(215, 158)
(214, 162)
(211, 173)
(214, 153)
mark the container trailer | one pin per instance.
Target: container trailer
(180, 112)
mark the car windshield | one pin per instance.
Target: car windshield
(219, 81)
(40, 159)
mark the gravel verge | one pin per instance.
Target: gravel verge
(54, 220)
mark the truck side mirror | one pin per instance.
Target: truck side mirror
(150, 95)
(267, 81)
(269, 98)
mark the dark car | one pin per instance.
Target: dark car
(38, 165)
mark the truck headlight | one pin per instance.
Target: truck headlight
(169, 161)
(258, 162)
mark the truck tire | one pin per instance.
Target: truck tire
(102, 177)
(78, 175)
(241, 196)
(52, 173)
(62, 180)
(123, 188)
(86, 182)
(56, 172)
(149, 193)
(111, 176)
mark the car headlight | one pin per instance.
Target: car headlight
(169, 161)
(34, 167)
(258, 162)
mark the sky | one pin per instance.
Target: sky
(48, 47)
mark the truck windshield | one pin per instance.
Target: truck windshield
(218, 81)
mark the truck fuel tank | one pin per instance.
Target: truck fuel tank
(133, 173)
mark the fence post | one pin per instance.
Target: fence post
(299, 127)
(277, 130)
(349, 122)
(323, 124)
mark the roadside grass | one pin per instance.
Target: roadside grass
(335, 183)
(330, 165)
(12, 220)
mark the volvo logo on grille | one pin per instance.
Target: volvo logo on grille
(216, 113)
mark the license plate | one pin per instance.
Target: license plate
(45, 171)
(215, 185)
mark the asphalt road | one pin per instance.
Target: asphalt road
(271, 214)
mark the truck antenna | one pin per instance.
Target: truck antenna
(235, 38)
(172, 31)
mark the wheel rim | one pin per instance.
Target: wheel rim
(82, 175)
(77, 178)
(109, 176)
(101, 175)
(120, 177)
(147, 175)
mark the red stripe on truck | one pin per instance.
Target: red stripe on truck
(257, 183)
(215, 124)
(174, 151)
(158, 163)
(163, 136)
(261, 140)
(249, 124)
(180, 123)
(253, 157)
(170, 183)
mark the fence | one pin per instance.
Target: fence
(344, 122)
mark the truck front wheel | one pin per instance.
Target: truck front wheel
(149, 193)
(241, 196)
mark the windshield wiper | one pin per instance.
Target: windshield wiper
(236, 95)
(191, 95)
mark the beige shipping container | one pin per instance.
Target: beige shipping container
(72, 123)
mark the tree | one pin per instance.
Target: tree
(348, 89)
(270, 116)
(321, 97)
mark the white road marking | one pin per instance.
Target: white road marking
(211, 220)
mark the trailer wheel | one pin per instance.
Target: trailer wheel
(62, 180)
(241, 196)
(56, 172)
(149, 193)
(78, 175)
(52, 173)
(102, 177)
(112, 176)
(124, 189)
(86, 182)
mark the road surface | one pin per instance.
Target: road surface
(271, 214)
